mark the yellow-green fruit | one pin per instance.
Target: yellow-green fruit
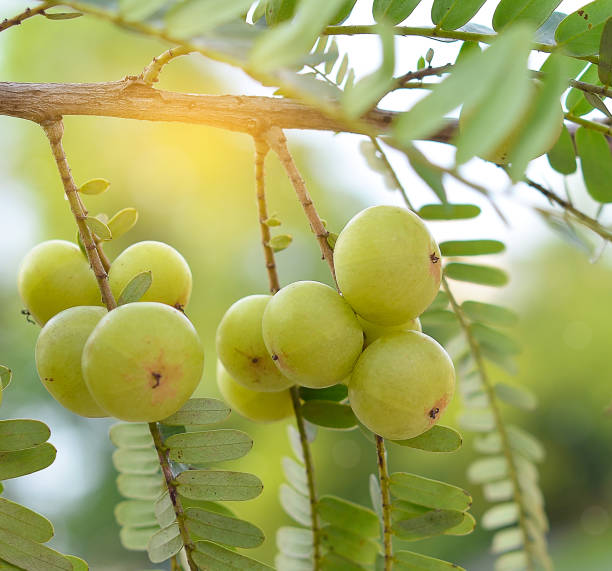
(171, 274)
(401, 385)
(58, 358)
(143, 361)
(372, 331)
(54, 276)
(312, 334)
(241, 348)
(388, 265)
(254, 405)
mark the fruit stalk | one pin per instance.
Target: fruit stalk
(278, 142)
(383, 475)
(54, 131)
(261, 150)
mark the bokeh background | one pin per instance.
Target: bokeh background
(194, 189)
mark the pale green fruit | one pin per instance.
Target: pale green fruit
(170, 272)
(401, 385)
(254, 405)
(54, 276)
(143, 361)
(241, 348)
(388, 265)
(312, 334)
(58, 358)
(372, 331)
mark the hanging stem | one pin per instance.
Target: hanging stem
(383, 475)
(150, 74)
(261, 150)
(54, 131)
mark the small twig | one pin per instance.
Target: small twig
(278, 143)
(420, 74)
(162, 454)
(593, 125)
(383, 476)
(19, 18)
(150, 74)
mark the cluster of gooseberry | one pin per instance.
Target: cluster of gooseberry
(141, 361)
(400, 380)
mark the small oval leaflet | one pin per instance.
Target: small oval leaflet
(333, 562)
(579, 34)
(500, 516)
(525, 443)
(98, 227)
(488, 469)
(218, 485)
(436, 439)
(347, 544)
(393, 11)
(429, 493)
(471, 247)
(562, 157)
(477, 420)
(135, 513)
(450, 15)
(483, 275)
(131, 435)
(448, 211)
(295, 474)
(596, 161)
(123, 221)
(77, 563)
(141, 461)
(296, 505)
(25, 522)
(24, 433)
(165, 543)
(295, 542)
(489, 313)
(137, 487)
(465, 527)
(511, 11)
(288, 563)
(95, 185)
(164, 510)
(211, 556)
(199, 411)
(348, 515)
(409, 561)
(6, 375)
(516, 396)
(135, 288)
(136, 538)
(329, 414)
(208, 446)
(495, 340)
(334, 393)
(223, 529)
(431, 523)
(21, 462)
(280, 242)
(27, 554)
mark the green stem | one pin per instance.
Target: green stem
(162, 454)
(499, 423)
(593, 125)
(392, 172)
(383, 476)
(150, 74)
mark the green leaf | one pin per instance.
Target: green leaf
(575, 102)
(516, 396)
(484, 275)
(218, 485)
(349, 516)
(375, 496)
(135, 288)
(6, 375)
(280, 242)
(500, 515)
(471, 247)
(95, 186)
(296, 444)
(101, 230)
(223, 529)
(334, 393)
(164, 510)
(596, 161)
(291, 41)
(196, 412)
(580, 33)
(141, 461)
(439, 302)
(493, 339)
(488, 469)
(208, 446)
(429, 493)
(466, 527)
(488, 443)
(287, 563)
(295, 504)
(431, 176)
(393, 11)
(515, 561)
(278, 11)
(211, 556)
(448, 211)
(165, 543)
(78, 564)
(535, 12)
(431, 523)
(61, 15)
(437, 439)
(605, 54)
(123, 221)
(452, 14)
(507, 540)
(333, 562)
(501, 491)
(409, 561)
(295, 542)
(477, 420)
(30, 555)
(131, 435)
(135, 513)
(329, 414)
(22, 433)
(295, 475)
(24, 522)
(365, 93)
(545, 34)
(21, 462)
(489, 313)
(196, 17)
(347, 544)
(135, 10)
(526, 444)
(136, 538)
(140, 487)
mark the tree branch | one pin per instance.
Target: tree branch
(19, 18)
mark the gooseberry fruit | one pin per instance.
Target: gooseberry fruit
(54, 276)
(388, 265)
(143, 361)
(58, 358)
(372, 331)
(241, 348)
(312, 334)
(170, 272)
(401, 385)
(254, 405)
